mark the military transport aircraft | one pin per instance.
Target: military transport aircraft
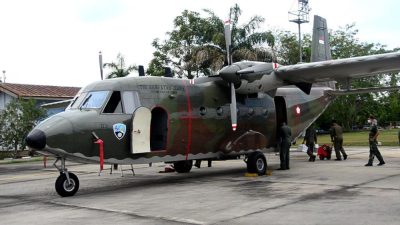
(145, 119)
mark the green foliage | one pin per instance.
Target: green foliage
(287, 47)
(360, 138)
(119, 69)
(196, 45)
(17, 120)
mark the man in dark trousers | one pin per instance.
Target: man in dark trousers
(285, 135)
(310, 139)
(337, 139)
(398, 136)
(373, 143)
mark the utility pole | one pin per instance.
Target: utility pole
(4, 76)
(299, 16)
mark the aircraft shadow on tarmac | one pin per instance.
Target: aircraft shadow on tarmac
(147, 181)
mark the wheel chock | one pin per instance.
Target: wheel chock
(251, 175)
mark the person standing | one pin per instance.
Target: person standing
(310, 139)
(373, 143)
(398, 136)
(285, 135)
(337, 139)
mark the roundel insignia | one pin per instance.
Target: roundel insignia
(119, 130)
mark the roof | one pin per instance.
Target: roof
(39, 91)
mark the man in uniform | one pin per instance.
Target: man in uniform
(285, 134)
(310, 139)
(398, 136)
(337, 139)
(373, 143)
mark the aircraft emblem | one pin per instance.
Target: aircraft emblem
(119, 130)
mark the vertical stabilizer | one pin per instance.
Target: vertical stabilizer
(320, 48)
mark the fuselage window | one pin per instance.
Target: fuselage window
(203, 110)
(220, 111)
(94, 100)
(131, 101)
(114, 105)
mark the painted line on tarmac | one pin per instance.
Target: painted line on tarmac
(124, 212)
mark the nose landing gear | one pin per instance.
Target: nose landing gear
(67, 184)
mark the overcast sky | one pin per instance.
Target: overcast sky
(56, 42)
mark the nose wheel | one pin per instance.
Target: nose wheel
(67, 184)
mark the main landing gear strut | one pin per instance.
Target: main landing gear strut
(67, 184)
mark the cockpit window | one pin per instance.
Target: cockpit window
(77, 101)
(131, 101)
(114, 104)
(94, 100)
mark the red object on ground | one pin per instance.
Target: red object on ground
(101, 152)
(324, 151)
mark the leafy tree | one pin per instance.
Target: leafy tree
(119, 69)
(196, 46)
(286, 47)
(17, 120)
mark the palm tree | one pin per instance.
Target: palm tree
(196, 46)
(119, 69)
(246, 42)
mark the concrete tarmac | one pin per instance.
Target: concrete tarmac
(320, 192)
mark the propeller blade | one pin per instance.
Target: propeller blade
(228, 41)
(233, 108)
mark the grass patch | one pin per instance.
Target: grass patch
(360, 138)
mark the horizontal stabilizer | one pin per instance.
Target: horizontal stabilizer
(362, 90)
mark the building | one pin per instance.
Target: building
(43, 94)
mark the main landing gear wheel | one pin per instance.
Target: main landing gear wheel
(183, 166)
(67, 188)
(256, 163)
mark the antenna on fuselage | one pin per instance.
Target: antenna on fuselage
(141, 71)
(299, 16)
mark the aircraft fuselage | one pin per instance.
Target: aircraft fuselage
(185, 119)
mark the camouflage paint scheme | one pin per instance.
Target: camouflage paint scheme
(190, 134)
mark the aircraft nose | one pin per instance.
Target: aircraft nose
(36, 139)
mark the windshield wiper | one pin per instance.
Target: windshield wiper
(85, 102)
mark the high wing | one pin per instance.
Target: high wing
(340, 69)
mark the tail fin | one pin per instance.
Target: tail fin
(320, 48)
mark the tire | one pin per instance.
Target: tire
(256, 163)
(62, 186)
(183, 166)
